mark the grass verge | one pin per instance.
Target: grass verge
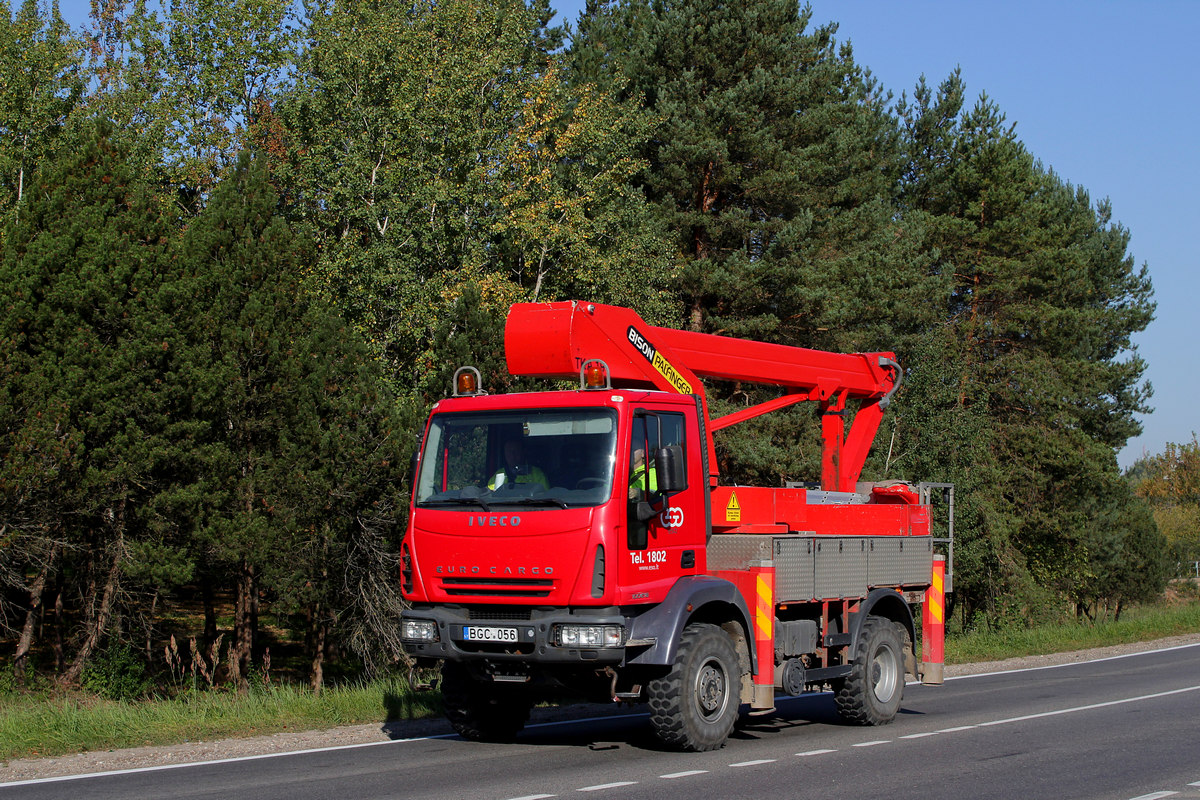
(41, 725)
(1139, 624)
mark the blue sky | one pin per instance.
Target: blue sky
(1106, 94)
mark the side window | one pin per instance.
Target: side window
(642, 481)
(672, 431)
(651, 432)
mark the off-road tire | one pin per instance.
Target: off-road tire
(872, 693)
(482, 712)
(695, 705)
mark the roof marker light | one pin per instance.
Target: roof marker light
(467, 381)
(594, 375)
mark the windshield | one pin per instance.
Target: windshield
(552, 457)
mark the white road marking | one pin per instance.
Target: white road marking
(601, 786)
(815, 753)
(872, 744)
(753, 763)
(1068, 664)
(687, 774)
(1197, 783)
(920, 735)
(535, 797)
(214, 762)
(956, 730)
(1062, 711)
(1155, 795)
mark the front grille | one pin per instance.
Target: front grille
(499, 614)
(497, 587)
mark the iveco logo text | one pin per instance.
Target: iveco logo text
(502, 520)
(453, 570)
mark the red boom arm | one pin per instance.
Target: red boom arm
(554, 339)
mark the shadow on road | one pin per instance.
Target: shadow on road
(604, 727)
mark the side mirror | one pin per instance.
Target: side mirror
(671, 476)
(646, 512)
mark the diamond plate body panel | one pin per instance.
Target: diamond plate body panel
(809, 567)
(738, 551)
(899, 561)
(841, 566)
(917, 561)
(794, 568)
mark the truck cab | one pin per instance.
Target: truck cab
(552, 506)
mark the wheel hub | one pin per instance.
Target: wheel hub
(711, 689)
(884, 677)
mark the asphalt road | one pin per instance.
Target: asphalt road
(1116, 729)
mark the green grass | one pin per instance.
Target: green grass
(48, 725)
(1136, 625)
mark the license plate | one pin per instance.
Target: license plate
(477, 633)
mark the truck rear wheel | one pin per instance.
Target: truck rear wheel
(872, 693)
(695, 706)
(482, 712)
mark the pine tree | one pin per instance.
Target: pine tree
(775, 169)
(772, 141)
(84, 352)
(297, 474)
(1027, 385)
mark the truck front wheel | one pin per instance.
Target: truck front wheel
(479, 711)
(695, 706)
(872, 693)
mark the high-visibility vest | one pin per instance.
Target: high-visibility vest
(638, 479)
(535, 475)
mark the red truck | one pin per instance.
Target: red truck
(581, 538)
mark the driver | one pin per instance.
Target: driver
(516, 469)
(641, 479)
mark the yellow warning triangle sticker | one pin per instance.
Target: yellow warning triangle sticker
(733, 511)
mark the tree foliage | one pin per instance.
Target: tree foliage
(40, 85)
(83, 351)
(433, 146)
(1028, 355)
(299, 453)
(1170, 483)
(187, 86)
(811, 211)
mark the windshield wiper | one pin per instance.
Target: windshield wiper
(531, 501)
(458, 502)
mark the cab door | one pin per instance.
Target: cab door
(665, 531)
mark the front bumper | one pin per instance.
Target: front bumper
(513, 634)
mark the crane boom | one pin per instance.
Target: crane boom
(554, 339)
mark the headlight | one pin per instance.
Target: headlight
(418, 630)
(589, 635)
